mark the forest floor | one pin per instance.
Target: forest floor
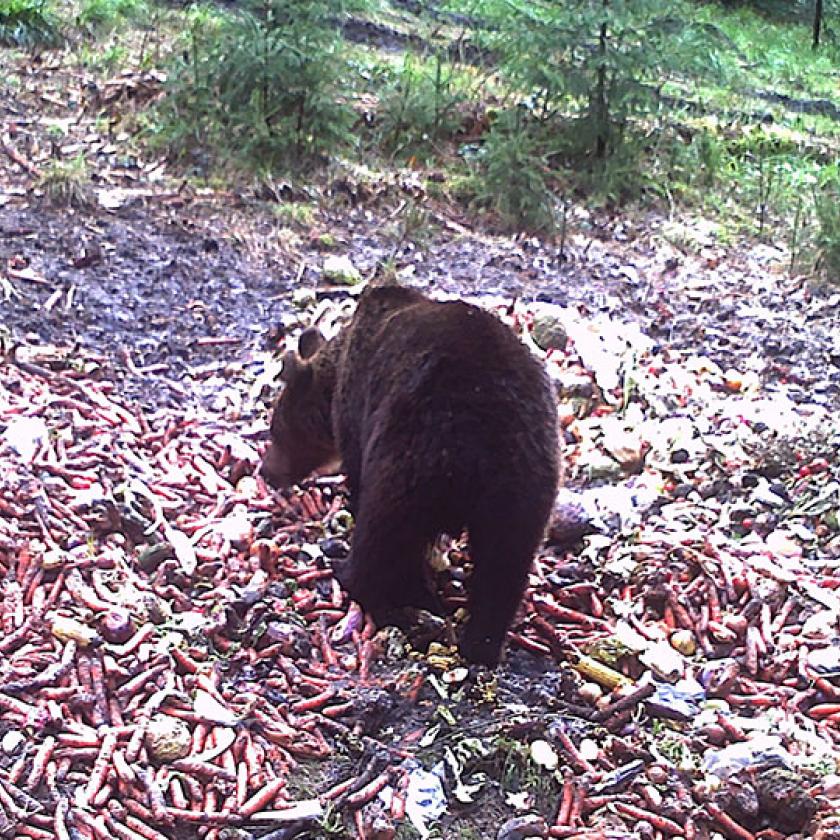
(698, 391)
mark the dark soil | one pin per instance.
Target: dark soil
(181, 287)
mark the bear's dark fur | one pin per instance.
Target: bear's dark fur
(443, 421)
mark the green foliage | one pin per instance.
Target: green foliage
(66, 183)
(103, 15)
(623, 176)
(29, 23)
(103, 59)
(419, 105)
(827, 210)
(295, 213)
(331, 823)
(263, 85)
(708, 153)
(789, 10)
(758, 180)
(593, 65)
(511, 176)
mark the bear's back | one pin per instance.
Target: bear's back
(448, 392)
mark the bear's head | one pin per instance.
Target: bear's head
(302, 439)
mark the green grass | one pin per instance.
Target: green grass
(106, 59)
(295, 213)
(66, 183)
(712, 155)
(107, 15)
(777, 56)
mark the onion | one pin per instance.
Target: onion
(116, 626)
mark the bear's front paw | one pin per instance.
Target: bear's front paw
(345, 574)
(420, 627)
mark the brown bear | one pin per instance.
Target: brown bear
(443, 421)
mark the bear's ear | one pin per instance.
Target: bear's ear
(290, 367)
(310, 342)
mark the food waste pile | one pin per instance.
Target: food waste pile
(177, 659)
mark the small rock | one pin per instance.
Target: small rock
(707, 489)
(680, 456)
(779, 489)
(600, 466)
(783, 544)
(591, 692)
(566, 414)
(825, 660)
(626, 447)
(151, 608)
(11, 741)
(664, 661)
(831, 786)
(719, 676)
(569, 524)
(340, 269)
(381, 827)
(783, 795)
(26, 435)
(335, 548)
(549, 333)
(246, 486)
(571, 385)
(53, 559)
(682, 490)
(293, 639)
(303, 298)
(764, 495)
(589, 749)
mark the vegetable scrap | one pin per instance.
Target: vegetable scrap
(178, 660)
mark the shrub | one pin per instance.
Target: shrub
(592, 65)
(261, 85)
(102, 15)
(827, 210)
(66, 183)
(511, 178)
(420, 105)
(28, 23)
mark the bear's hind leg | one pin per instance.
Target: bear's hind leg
(502, 545)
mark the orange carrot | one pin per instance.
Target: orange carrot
(100, 768)
(39, 763)
(262, 797)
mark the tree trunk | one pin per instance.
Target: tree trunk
(818, 13)
(601, 106)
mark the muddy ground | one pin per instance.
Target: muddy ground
(179, 288)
